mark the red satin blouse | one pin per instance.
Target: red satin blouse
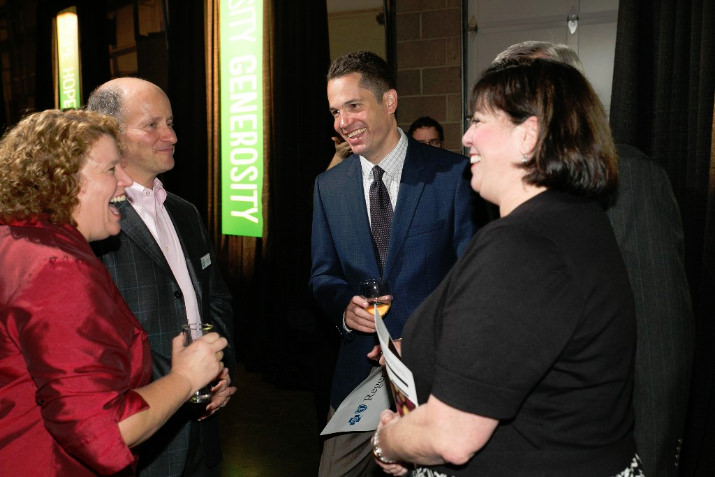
(70, 354)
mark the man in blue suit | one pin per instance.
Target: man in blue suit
(432, 202)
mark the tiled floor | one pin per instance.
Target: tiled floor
(267, 431)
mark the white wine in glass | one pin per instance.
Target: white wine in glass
(377, 293)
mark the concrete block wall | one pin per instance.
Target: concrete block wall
(429, 76)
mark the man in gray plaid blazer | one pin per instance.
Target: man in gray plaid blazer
(163, 264)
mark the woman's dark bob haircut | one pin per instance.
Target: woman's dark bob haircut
(574, 151)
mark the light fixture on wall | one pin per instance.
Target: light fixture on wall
(572, 20)
(472, 25)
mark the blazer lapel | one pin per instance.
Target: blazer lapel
(135, 229)
(411, 186)
(184, 227)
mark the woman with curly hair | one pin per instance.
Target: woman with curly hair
(74, 361)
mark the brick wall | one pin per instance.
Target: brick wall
(429, 53)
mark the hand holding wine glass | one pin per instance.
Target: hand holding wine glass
(193, 332)
(377, 293)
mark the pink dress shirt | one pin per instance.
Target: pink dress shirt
(149, 205)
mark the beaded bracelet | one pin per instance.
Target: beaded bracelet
(377, 452)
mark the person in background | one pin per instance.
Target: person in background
(427, 131)
(425, 192)
(75, 396)
(523, 356)
(164, 266)
(342, 151)
(646, 220)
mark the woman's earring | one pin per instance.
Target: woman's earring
(524, 159)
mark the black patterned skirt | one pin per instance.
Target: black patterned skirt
(635, 469)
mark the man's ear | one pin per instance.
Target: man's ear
(530, 129)
(390, 99)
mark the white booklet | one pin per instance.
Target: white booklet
(360, 410)
(402, 383)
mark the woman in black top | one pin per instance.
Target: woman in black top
(523, 356)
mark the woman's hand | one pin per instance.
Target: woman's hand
(387, 418)
(200, 362)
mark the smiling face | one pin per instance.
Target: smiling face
(496, 147)
(102, 181)
(149, 136)
(367, 124)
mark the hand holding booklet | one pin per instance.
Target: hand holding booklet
(402, 383)
(360, 410)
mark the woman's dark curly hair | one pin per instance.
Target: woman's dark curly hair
(41, 159)
(574, 151)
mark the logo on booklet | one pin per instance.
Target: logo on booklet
(356, 418)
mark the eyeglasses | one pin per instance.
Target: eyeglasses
(432, 142)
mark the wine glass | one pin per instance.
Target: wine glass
(194, 331)
(377, 293)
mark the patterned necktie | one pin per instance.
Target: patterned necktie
(380, 216)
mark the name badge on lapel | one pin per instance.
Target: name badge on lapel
(205, 261)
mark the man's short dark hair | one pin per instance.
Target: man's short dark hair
(375, 72)
(426, 122)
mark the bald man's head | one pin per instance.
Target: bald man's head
(540, 49)
(147, 125)
(109, 98)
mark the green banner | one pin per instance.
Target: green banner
(68, 70)
(241, 66)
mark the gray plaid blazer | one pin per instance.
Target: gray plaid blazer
(146, 282)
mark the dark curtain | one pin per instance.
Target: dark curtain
(663, 104)
(187, 91)
(300, 346)
(278, 330)
(94, 46)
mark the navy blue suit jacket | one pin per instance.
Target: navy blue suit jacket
(431, 227)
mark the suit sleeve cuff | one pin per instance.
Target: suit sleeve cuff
(345, 327)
